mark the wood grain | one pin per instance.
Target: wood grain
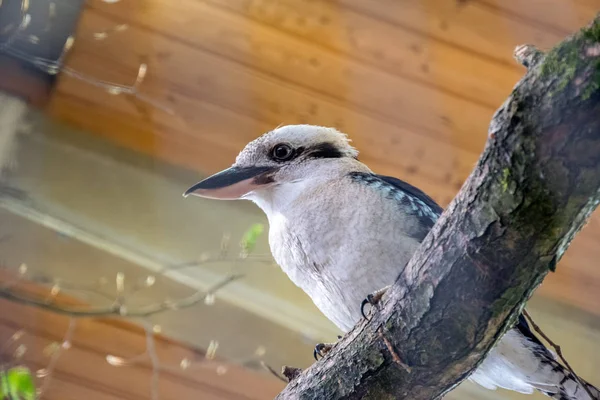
(346, 33)
(84, 368)
(254, 54)
(413, 82)
(467, 24)
(561, 16)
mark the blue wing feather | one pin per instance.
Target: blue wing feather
(414, 192)
(412, 200)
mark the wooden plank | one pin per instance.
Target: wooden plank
(565, 17)
(284, 61)
(72, 387)
(466, 24)
(387, 47)
(65, 387)
(187, 148)
(259, 99)
(75, 383)
(90, 366)
(94, 339)
(68, 387)
(422, 165)
(119, 337)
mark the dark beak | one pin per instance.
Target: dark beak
(232, 183)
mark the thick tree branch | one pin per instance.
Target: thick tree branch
(532, 190)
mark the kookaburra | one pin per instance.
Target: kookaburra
(341, 232)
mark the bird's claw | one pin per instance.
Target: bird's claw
(373, 299)
(321, 349)
(366, 301)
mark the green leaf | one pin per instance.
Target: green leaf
(18, 381)
(3, 385)
(251, 236)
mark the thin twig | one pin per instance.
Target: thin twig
(558, 352)
(9, 290)
(65, 344)
(213, 260)
(154, 360)
(142, 312)
(273, 372)
(117, 89)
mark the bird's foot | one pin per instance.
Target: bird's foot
(373, 299)
(321, 349)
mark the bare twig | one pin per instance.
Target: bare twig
(220, 259)
(558, 352)
(46, 373)
(151, 351)
(118, 89)
(157, 367)
(270, 369)
(143, 312)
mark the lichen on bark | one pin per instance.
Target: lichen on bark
(564, 60)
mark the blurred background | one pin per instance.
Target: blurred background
(113, 286)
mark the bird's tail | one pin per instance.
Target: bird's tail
(551, 377)
(566, 385)
(521, 362)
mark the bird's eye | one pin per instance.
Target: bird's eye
(282, 152)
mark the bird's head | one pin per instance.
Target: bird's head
(289, 154)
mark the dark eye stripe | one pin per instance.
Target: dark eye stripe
(324, 150)
(320, 150)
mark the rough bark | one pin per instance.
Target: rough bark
(534, 187)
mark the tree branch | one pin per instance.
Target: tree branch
(532, 190)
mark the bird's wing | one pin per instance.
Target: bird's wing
(520, 361)
(411, 200)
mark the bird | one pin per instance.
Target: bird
(343, 233)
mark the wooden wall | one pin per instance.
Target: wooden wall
(414, 83)
(82, 371)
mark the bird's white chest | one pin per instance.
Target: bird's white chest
(338, 253)
(313, 261)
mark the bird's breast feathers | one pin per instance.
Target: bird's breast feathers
(340, 242)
